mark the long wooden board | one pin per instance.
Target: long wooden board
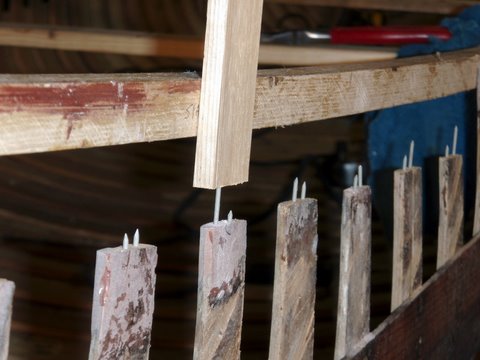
(176, 47)
(55, 112)
(442, 322)
(425, 6)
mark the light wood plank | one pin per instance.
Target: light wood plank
(407, 235)
(442, 322)
(7, 289)
(450, 208)
(353, 316)
(425, 6)
(227, 99)
(221, 283)
(56, 112)
(123, 302)
(293, 315)
(176, 47)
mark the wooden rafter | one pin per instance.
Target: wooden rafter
(41, 113)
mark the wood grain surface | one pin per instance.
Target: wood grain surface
(55, 112)
(407, 235)
(123, 303)
(353, 316)
(450, 221)
(293, 314)
(221, 287)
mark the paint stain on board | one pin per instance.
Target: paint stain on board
(73, 100)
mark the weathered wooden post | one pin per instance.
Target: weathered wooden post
(293, 315)
(221, 283)
(407, 232)
(450, 222)
(353, 319)
(123, 301)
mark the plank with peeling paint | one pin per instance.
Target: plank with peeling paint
(57, 112)
(123, 303)
(293, 315)
(221, 283)
(407, 235)
(353, 316)
(450, 222)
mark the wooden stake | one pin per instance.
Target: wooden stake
(407, 234)
(7, 288)
(228, 93)
(293, 315)
(354, 291)
(221, 282)
(450, 223)
(123, 302)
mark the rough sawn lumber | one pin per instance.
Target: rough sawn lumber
(55, 112)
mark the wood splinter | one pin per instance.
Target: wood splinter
(293, 315)
(7, 289)
(123, 301)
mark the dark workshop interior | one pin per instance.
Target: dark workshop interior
(58, 208)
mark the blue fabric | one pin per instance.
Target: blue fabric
(429, 123)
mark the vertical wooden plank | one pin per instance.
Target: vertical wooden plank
(450, 223)
(123, 302)
(476, 216)
(293, 315)
(221, 283)
(227, 97)
(7, 288)
(353, 319)
(407, 234)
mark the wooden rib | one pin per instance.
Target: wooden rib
(176, 47)
(450, 223)
(442, 322)
(55, 112)
(225, 119)
(353, 316)
(293, 315)
(426, 6)
(407, 235)
(7, 289)
(123, 303)
(221, 283)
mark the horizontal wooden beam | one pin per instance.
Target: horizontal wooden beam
(55, 112)
(425, 6)
(442, 322)
(176, 47)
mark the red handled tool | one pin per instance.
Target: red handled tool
(364, 35)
